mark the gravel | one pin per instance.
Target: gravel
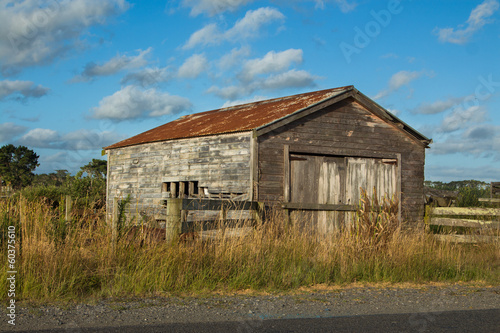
(250, 308)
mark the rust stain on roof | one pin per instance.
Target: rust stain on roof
(232, 119)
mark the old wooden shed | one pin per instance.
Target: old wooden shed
(312, 151)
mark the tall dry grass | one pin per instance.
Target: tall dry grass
(77, 259)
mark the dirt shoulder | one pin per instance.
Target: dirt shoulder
(425, 301)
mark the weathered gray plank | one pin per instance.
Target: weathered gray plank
(465, 211)
(212, 204)
(489, 200)
(469, 223)
(468, 238)
(314, 206)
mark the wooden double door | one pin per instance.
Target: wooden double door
(321, 181)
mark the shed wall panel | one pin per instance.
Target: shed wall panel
(220, 163)
(344, 129)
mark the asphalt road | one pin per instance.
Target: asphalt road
(449, 321)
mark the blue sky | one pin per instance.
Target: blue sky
(78, 75)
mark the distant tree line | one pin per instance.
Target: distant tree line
(468, 191)
(87, 187)
(457, 185)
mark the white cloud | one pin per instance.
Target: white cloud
(62, 160)
(272, 62)
(482, 132)
(230, 92)
(113, 66)
(271, 72)
(398, 80)
(344, 5)
(461, 118)
(251, 23)
(477, 19)
(21, 89)
(39, 138)
(292, 78)
(78, 140)
(193, 66)
(233, 58)
(456, 146)
(148, 76)
(207, 35)
(34, 33)
(213, 7)
(8, 131)
(480, 140)
(439, 106)
(133, 103)
(88, 140)
(247, 27)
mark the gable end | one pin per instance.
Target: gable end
(353, 93)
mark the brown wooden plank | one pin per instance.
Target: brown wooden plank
(264, 177)
(342, 127)
(268, 190)
(270, 198)
(374, 140)
(323, 147)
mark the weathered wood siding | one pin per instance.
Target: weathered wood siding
(219, 163)
(344, 129)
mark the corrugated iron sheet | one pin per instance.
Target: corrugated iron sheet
(232, 119)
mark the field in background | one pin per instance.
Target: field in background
(65, 260)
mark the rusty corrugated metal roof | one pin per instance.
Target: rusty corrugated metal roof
(232, 119)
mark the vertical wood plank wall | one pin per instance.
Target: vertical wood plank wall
(344, 129)
(220, 163)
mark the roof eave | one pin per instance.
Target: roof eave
(173, 139)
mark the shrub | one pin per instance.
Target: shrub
(469, 196)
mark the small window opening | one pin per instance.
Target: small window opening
(186, 189)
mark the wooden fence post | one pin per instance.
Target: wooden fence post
(173, 224)
(114, 220)
(68, 207)
(258, 213)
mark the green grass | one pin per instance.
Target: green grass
(82, 263)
